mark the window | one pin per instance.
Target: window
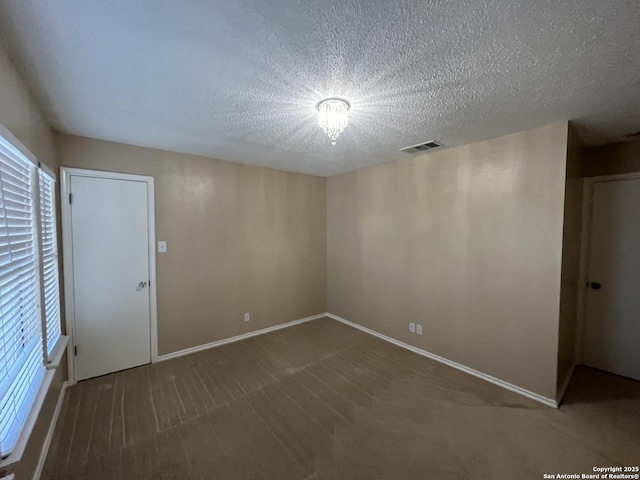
(29, 300)
(49, 261)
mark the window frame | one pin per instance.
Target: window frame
(50, 354)
(13, 148)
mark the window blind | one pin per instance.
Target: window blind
(21, 363)
(49, 261)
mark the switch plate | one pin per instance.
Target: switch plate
(162, 247)
(419, 329)
(412, 327)
(246, 317)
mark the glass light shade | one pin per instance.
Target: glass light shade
(333, 117)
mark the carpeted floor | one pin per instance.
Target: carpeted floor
(322, 400)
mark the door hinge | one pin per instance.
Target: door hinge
(70, 198)
(75, 351)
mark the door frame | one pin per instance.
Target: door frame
(585, 239)
(67, 256)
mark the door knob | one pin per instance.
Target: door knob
(142, 284)
(596, 285)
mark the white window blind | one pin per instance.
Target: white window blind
(21, 362)
(49, 261)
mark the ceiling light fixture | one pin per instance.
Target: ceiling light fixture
(333, 116)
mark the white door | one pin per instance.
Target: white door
(612, 329)
(110, 245)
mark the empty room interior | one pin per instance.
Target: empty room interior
(317, 240)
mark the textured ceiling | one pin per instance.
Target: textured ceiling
(238, 79)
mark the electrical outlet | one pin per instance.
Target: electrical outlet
(412, 327)
(246, 317)
(419, 329)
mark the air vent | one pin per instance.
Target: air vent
(421, 147)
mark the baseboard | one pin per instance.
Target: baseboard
(52, 427)
(565, 385)
(225, 341)
(534, 396)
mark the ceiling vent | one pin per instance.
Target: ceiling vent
(421, 147)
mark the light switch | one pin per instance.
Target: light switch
(162, 247)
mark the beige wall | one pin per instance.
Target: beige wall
(570, 257)
(613, 159)
(239, 239)
(465, 241)
(22, 117)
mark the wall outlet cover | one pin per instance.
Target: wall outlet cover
(419, 329)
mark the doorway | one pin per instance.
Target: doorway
(109, 260)
(611, 271)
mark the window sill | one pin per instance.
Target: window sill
(55, 357)
(16, 455)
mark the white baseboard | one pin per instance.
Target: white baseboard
(49, 437)
(224, 341)
(563, 388)
(534, 396)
